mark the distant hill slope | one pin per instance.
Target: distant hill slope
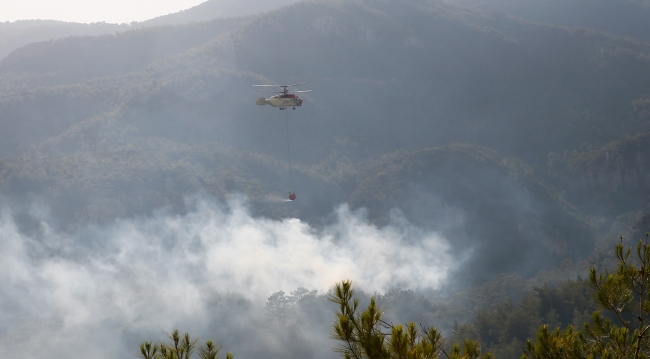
(610, 179)
(484, 204)
(16, 34)
(213, 9)
(105, 127)
(20, 33)
(483, 201)
(387, 76)
(630, 18)
(137, 177)
(481, 128)
(79, 58)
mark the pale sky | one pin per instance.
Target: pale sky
(111, 11)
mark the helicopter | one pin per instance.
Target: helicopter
(284, 99)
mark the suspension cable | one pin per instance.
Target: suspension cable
(286, 122)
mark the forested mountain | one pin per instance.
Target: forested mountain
(69, 60)
(16, 34)
(497, 154)
(493, 77)
(628, 18)
(213, 9)
(523, 91)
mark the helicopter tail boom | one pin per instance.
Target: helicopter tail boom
(261, 101)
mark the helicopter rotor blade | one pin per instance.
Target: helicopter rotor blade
(302, 91)
(300, 83)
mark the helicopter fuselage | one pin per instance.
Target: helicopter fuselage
(282, 101)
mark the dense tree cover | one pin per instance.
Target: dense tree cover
(16, 34)
(171, 115)
(501, 328)
(19, 33)
(96, 187)
(545, 321)
(624, 18)
(445, 96)
(501, 321)
(364, 335)
(507, 327)
(501, 314)
(624, 294)
(484, 128)
(504, 326)
(482, 80)
(461, 184)
(79, 58)
(88, 181)
(615, 175)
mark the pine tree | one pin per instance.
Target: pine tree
(149, 351)
(180, 347)
(624, 294)
(364, 335)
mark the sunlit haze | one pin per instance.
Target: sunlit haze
(87, 11)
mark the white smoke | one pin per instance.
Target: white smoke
(68, 295)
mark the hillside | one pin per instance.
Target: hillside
(213, 9)
(17, 34)
(609, 179)
(627, 18)
(467, 165)
(513, 90)
(75, 59)
(494, 81)
(488, 204)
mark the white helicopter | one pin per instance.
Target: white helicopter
(284, 99)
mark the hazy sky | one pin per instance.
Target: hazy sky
(112, 11)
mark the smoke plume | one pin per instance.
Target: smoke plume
(99, 291)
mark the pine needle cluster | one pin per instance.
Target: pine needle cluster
(623, 331)
(180, 347)
(364, 335)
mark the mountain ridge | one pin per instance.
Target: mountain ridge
(392, 81)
